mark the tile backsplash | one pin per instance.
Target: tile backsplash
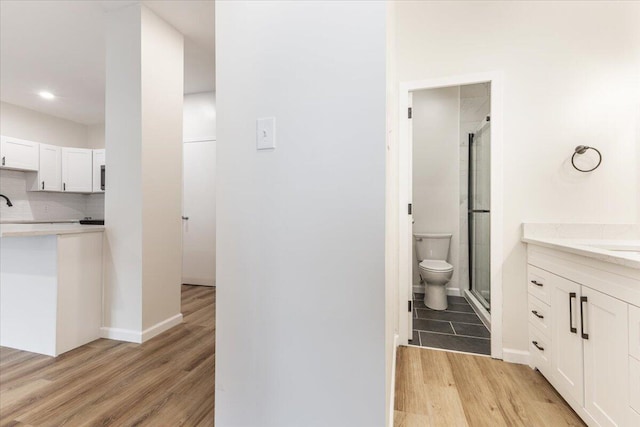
(40, 206)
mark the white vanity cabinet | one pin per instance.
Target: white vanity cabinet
(77, 170)
(587, 343)
(18, 154)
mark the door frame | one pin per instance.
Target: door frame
(405, 261)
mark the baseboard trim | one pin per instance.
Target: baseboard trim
(119, 334)
(392, 396)
(454, 292)
(130, 335)
(160, 327)
(515, 356)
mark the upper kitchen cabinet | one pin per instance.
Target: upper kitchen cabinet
(98, 170)
(77, 165)
(18, 154)
(49, 176)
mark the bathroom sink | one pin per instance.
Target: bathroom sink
(631, 248)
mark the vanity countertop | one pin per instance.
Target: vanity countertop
(48, 229)
(624, 252)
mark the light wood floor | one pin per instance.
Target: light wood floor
(437, 388)
(167, 381)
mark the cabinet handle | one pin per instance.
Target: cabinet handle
(535, 313)
(43, 185)
(572, 329)
(537, 346)
(582, 310)
(3, 160)
(535, 282)
(186, 218)
(64, 186)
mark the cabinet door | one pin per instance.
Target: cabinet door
(18, 154)
(77, 170)
(50, 178)
(606, 353)
(566, 343)
(98, 162)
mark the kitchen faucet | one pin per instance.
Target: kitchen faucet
(7, 199)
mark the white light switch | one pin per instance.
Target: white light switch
(266, 133)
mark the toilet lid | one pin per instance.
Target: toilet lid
(436, 265)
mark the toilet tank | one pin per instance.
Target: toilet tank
(432, 245)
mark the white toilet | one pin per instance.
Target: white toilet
(432, 250)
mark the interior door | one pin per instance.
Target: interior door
(606, 366)
(199, 214)
(409, 212)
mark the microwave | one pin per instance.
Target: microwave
(102, 170)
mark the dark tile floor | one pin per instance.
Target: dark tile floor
(456, 328)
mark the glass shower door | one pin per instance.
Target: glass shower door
(480, 214)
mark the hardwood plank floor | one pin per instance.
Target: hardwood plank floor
(167, 381)
(438, 388)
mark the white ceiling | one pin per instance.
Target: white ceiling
(59, 46)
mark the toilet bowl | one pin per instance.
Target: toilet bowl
(432, 250)
(435, 274)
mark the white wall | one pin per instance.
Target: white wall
(162, 49)
(199, 117)
(300, 303)
(436, 177)
(20, 122)
(564, 85)
(27, 124)
(95, 136)
(144, 146)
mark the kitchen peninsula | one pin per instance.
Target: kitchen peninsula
(50, 286)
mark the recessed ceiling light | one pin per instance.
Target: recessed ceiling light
(46, 95)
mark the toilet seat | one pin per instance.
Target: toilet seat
(436, 265)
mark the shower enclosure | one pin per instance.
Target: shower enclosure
(479, 213)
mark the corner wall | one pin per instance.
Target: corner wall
(301, 292)
(564, 85)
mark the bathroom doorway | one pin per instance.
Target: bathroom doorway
(449, 145)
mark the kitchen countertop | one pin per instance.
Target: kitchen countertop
(624, 252)
(38, 221)
(48, 229)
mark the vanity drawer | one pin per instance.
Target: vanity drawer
(539, 315)
(634, 384)
(540, 351)
(634, 331)
(539, 283)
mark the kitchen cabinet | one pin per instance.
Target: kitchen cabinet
(583, 331)
(19, 154)
(49, 176)
(50, 286)
(98, 176)
(77, 170)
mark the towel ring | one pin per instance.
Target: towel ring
(581, 149)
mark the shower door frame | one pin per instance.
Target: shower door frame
(405, 239)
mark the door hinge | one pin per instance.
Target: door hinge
(409, 209)
(410, 306)
(410, 112)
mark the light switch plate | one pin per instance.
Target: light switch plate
(266, 133)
